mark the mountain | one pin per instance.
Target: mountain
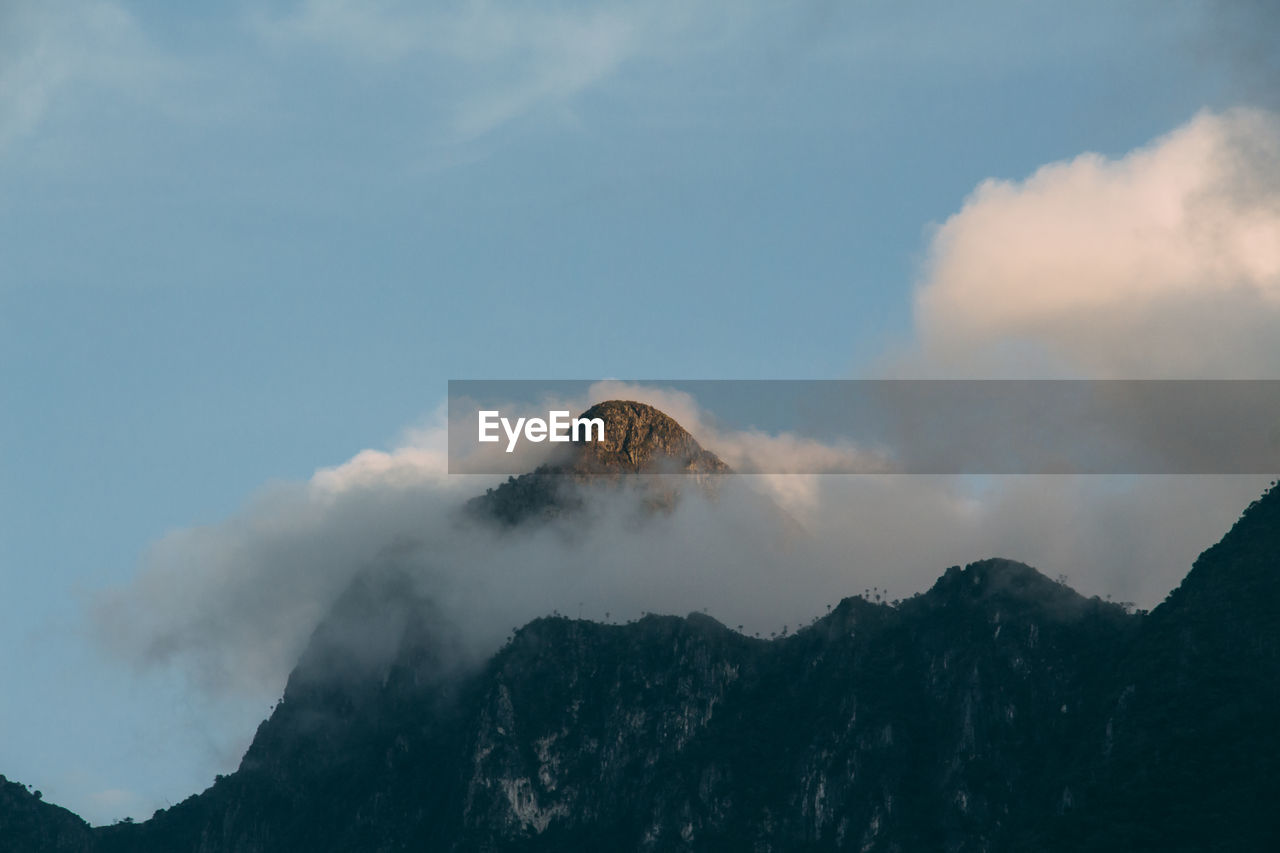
(999, 710)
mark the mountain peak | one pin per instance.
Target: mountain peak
(1008, 583)
(638, 439)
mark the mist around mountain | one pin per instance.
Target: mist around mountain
(998, 710)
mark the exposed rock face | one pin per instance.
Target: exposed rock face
(638, 440)
(998, 711)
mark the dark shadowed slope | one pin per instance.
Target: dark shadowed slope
(1185, 754)
(27, 823)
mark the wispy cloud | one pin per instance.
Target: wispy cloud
(496, 61)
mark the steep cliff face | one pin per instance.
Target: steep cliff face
(999, 710)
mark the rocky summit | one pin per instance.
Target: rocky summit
(997, 711)
(638, 440)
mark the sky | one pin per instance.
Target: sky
(243, 247)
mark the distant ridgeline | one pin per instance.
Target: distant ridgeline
(999, 710)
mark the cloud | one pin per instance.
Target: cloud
(233, 604)
(236, 601)
(501, 61)
(1162, 263)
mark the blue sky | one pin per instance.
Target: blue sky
(241, 243)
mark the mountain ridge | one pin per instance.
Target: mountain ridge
(997, 710)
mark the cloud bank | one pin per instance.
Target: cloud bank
(232, 605)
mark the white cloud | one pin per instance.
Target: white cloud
(1162, 263)
(232, 604)
(420, 460)
(266, 575)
